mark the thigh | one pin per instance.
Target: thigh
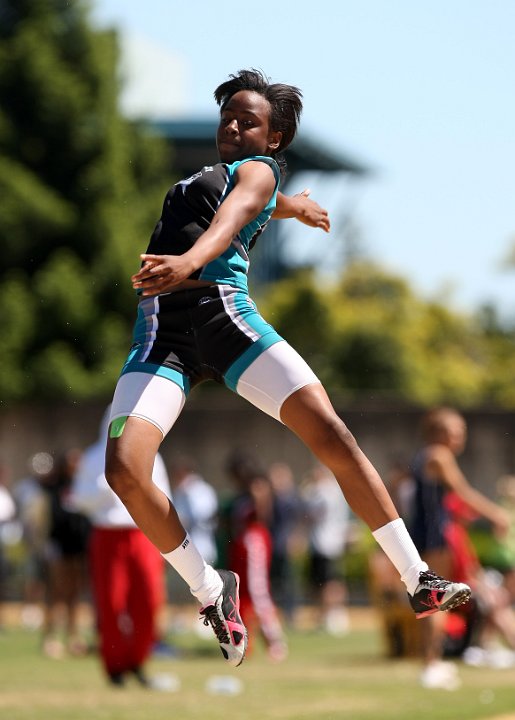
(277, 373)
(150, 397)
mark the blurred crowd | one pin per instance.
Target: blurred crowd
(66, 542)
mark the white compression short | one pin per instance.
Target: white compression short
(275, 375)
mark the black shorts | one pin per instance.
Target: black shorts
(206, 333)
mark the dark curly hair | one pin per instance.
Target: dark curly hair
(285, 103)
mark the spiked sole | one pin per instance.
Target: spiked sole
(460, 598)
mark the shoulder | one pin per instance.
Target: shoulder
(438, 458)
(205, 177)
(256, 165)
(438, 452)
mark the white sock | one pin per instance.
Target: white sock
(398, 545)
(203, 580)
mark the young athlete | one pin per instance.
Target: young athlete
(436, 474)
(196, 322)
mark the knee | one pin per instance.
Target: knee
(120, 475)
(334, 440)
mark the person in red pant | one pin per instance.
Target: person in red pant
(250, 556)
(127, 571)
(491, 612)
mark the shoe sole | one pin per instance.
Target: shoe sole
(245, 634)
(460, 598)
(245, 644)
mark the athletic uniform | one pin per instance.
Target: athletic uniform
(430, 516)
(212, 332)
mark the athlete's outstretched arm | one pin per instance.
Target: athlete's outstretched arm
(254, 188)
(302, 208)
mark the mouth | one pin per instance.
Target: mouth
(227, 143)
(228, 150)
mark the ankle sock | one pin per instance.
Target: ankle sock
(396, 542)
(203, 580)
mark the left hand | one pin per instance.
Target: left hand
(310, 213)
(160, 273)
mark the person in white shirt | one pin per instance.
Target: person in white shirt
(127, 571)
(196, 503)
(328, 519)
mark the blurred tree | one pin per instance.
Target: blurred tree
(500, 383)
(371, 335)
(299, 310)
(80, 189)
(509, 260)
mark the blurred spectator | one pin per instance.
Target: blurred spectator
(506, 561)
(401, 487)
(250, 556)
(489, 616)
(240, 467)
(33, 512)
(287, 536)
(127, 571)
(328, 525)
(435, 472)
(400, 628)
(66, 548)
(196, 503)
(7, 516)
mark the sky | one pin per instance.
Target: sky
(422, 93)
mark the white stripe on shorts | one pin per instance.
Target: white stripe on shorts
(233, 313)
(153, 330)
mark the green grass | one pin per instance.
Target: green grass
(323, 679)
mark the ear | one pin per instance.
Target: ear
(274, 139)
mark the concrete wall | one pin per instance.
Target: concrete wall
(216, 422)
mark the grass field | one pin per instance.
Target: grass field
(323, 679)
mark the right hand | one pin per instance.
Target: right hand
(501, 523)
(160, 273)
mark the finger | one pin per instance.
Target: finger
(142, 276)
(149, 287)
(305, 192)
(150, 271)
(144, 269)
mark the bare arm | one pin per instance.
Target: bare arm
(303, 209)
(254, 187)
(441, 463)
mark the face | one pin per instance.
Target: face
(456, 434)
(244, 128)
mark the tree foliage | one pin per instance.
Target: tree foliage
(80, 189)
(370, 335)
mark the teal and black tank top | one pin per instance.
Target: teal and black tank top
(188, 210)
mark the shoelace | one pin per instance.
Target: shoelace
(438, 582)
(211, 617)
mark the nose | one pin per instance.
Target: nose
(231, 128)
